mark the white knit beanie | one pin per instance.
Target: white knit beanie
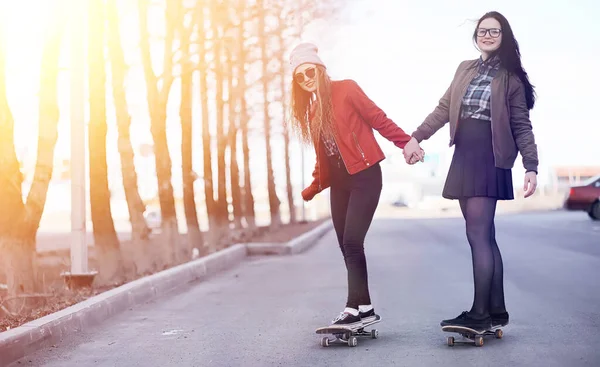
(305, 53)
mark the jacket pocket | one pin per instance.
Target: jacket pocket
(362, 153)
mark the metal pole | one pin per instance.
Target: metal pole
(79, 254)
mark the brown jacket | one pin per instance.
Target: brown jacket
(511, 127)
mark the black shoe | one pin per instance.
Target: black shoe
(499, 319)
(466, 320)
(347, 320)
(368, 316)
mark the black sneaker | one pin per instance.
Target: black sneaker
(368, 316)
(466, 320)
(499, 319)
(347, 320)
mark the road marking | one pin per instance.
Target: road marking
(172, 332)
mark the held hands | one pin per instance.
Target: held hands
(413, 152)
(416, 157)
(530, 183)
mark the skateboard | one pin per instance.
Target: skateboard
(474, 335)
(346, 335)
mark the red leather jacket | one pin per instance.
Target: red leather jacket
(355, 118)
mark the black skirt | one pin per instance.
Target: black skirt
(473, 171)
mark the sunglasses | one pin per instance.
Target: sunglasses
(308, 73)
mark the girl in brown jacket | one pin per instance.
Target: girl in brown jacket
(487, 105)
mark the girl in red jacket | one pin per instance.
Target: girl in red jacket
(338, 118)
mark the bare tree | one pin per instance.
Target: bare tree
(157, 90)
(135, 205)
(218, 12)
(233, 104)
(286, 132)
(194, 235)
(248, 197)
(105, 235)
(211, 209)
(19, 221)
(274, 201)
(292, 17)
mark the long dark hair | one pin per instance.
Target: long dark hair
(509, 54)
(321, 125)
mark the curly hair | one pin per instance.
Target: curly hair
(302, 102)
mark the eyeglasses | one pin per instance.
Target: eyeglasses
(494, 32)
(309, 73)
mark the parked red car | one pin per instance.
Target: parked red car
(585, 197)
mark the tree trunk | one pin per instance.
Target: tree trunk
(20, 221)
(286, 134)
(223, 210)
(135, 205)
(274, 202)
(248, 198)
(21, 271)
(233, 164)
(194, 236)
(211, 210)
(157, 106)
(17, 253)
(105, 235)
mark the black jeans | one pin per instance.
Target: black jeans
(354, 199)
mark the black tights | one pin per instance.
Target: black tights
(479, 215)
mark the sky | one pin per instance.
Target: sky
(403, 53)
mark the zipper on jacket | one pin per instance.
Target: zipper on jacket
(494, 150)
(505, 76)
(320, 187)
(318, 155)
(360, 149)
(339, 150)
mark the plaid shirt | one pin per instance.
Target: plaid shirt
(476, 102)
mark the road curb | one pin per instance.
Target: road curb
(308, 239)
(48, 330)
(267, 248)
(294, 246)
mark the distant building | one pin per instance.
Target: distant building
(574, 175)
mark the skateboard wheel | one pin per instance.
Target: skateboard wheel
(325, 342)
(343, 337)
(479, 341)
(450, 341)
(352, 341)
(499, 334)
(374, 333)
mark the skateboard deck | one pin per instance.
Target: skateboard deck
(347, 335)
(475, 336)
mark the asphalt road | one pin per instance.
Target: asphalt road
(264, 312)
